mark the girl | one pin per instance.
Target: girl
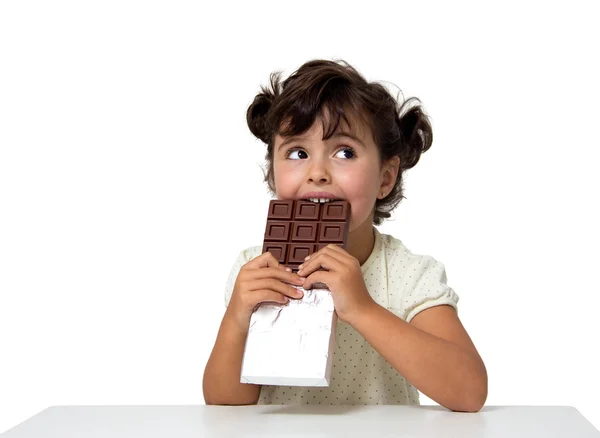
(332, 135)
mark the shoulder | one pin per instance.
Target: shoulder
(392, 244)
(251, 252)
(415, 281)
(396, 252)
(243, 257)
(412, 270)
(412, 267)
(246, 254)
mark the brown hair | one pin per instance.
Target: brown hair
(339, 88)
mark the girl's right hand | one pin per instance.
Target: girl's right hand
(261, 280)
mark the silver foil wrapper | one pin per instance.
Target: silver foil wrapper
(291, 344)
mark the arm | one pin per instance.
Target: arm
(260, 280)
(433, 352)
(221, 384)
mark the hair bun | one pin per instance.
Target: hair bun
(416, 133)
(257, 113)
(408, 122)
(256, 116)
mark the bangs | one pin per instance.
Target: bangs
(338, 113)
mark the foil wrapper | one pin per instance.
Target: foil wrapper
(291, 344)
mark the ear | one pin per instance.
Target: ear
(389, 173)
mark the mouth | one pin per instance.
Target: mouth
(321, 200)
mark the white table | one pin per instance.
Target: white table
(300, 421)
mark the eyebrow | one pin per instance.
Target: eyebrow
(337, 134)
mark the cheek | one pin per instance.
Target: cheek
(362, 193)
(361, 190)
(286, 179)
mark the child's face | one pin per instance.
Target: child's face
(346, 168)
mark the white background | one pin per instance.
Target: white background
(124, 143)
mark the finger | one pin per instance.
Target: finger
(337, 248)
(268, 296)
(267, 260)
(331, 249)
(325, 277)
(277, 273)
(327, 260)
(264, 260)
(283, 267)
(275, 286)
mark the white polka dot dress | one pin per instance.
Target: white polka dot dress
(398, 280)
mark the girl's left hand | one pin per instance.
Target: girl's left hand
(343, 277)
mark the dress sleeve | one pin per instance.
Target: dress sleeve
(425, 286)
(240, 261)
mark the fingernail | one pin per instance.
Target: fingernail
(300, 267)
(288, 269)
(306, 258)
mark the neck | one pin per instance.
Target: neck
(361, 241)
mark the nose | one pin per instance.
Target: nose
(318, 172)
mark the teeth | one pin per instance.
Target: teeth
(321, 200)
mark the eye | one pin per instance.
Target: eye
(348, 149)
(345, 149)
(291, 151)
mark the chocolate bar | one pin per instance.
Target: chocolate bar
(292, 344)
(297, 228)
